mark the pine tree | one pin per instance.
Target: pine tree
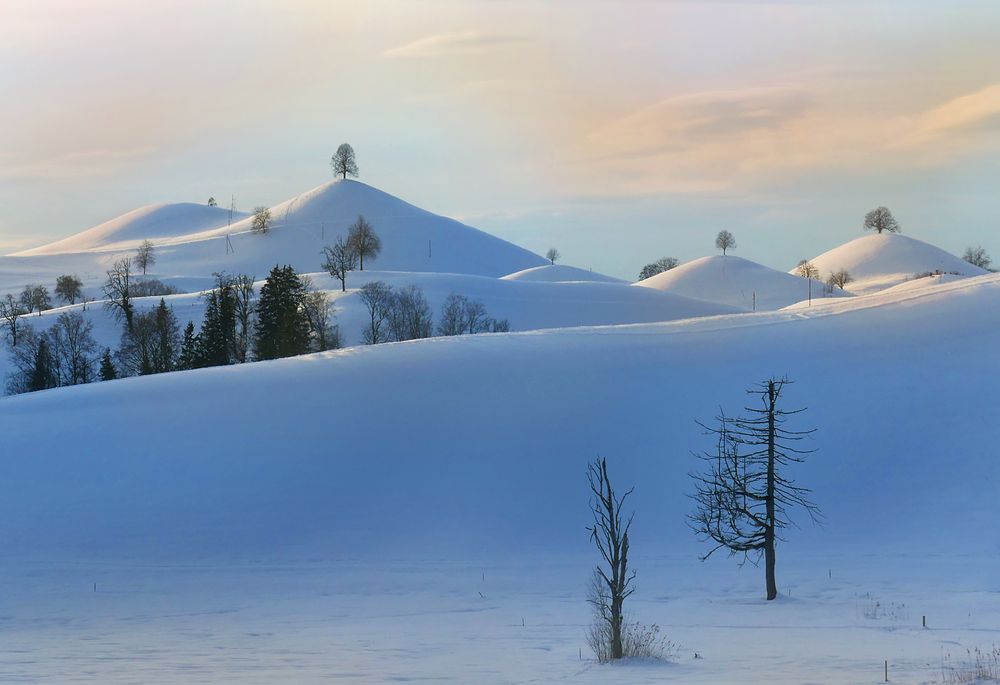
(217, 345)
(108, 372)
(43, 375)
(188, 358)
(282, 328)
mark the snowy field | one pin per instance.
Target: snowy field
(393, 513)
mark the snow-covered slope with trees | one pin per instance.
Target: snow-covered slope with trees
(882, 260)
(737, 282)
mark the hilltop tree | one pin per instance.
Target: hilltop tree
(211, 202)
(118, 291)
(343, 162)
(609, 533)
(340, 260)
(261, 221)
(363, 241)
(657, 267)
(552, 255)
(839, 279)
(977, 257)
(145, 256)
(743, 497)
(881, 219)
(68, 288)
(281, 329)
(725, 241)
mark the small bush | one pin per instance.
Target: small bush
(151, 287)
(638, 640)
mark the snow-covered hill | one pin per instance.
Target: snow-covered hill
(737, 282)
(559, 273)
(154, 222)
(880, 261)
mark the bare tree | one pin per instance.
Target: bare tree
(881, 219)
(410, 315)
(610, 535)
(552, 255)
(363, 241)
(261, 221)
(340, 260)
(145, 256)
(11, 311)
(243, 290)
(35, 298)
(343, 161)
(118, 291)
(461, 315)
(657, 267)
(839, 279)
(807, 269)
(211, 202)
(977, 257)
(743, 497)
(68, 288)
(725, 241)
(377, 297)
(73, 348)
(317, 310)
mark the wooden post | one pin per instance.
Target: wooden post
(925, 621)
(886, 670)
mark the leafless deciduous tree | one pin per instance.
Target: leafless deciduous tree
(35, 298)
(609, 533)
(243, 291)
(807, 269)
(73, 348)
(657, 267)
(881, 219)
(977, 257)
(743, 498)
(261, 221)
(118, 291)
(725, 241)
(145, 256)
(343, 162)
(461, 315)
(324, 333)
(211, 202)
(340, 260)
(839, 279)
(410, 315)
(11, 311)
(377, 297)
(363, 241)
(68, 288)
(552, 255)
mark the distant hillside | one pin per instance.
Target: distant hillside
(883, 260)
(736, 282)
(560, 273)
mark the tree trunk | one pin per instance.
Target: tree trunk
(617, 650)
(772, 589)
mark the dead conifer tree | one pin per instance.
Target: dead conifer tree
(744, 497)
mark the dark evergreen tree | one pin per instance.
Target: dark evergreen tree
(188, 357)
(217, 344)
(282, 328)
(108, 372)
(165, 353)
(44, 374)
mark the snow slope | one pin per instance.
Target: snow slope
(880, 261)
(555, 273)
(417, 510)
(736, 282)
(154, 222)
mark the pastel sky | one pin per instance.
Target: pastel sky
(618, 131)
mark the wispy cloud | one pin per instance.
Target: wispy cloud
(97, 162)
(463, 42)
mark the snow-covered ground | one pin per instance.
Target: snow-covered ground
(393, 512)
